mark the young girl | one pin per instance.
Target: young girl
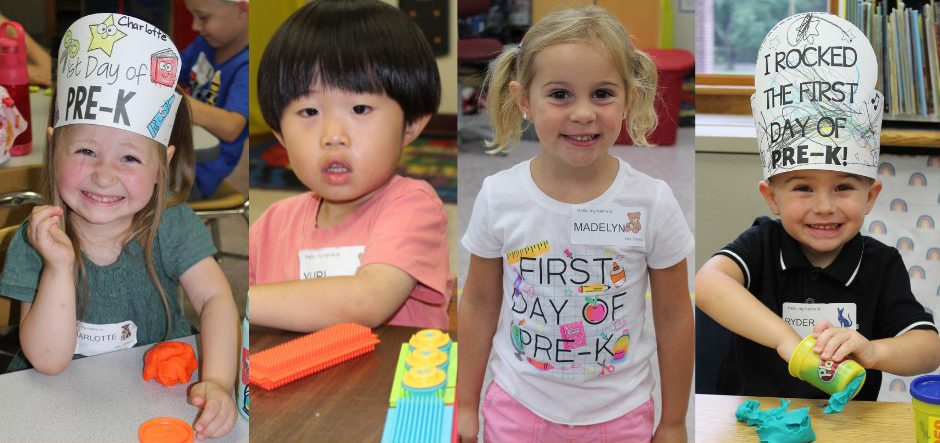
(97, 268)
(562, 245)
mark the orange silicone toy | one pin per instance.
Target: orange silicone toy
(170, 363)
(311, 353)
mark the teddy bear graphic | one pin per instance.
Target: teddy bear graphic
(634, 224)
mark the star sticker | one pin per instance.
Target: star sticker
(104, 34)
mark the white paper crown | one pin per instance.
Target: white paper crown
(815, 104)
(118, 71)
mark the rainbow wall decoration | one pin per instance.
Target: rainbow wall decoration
(933, 160)
(917, 273)
(917, 179)
(877, 227)
(905, 244)
(925, 222)
(898, 205)
(933, 254)
(886, 168)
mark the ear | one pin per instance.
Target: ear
(767, 191)
(49, 135)
(170, 150)
(279, 137)
(873, 192)
(520, 96)
(413, 129)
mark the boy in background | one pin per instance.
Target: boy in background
(215, 73)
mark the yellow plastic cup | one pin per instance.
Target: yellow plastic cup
(827, 375)
(925, 395)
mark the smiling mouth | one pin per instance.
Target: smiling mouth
(826, 227)
(102, 198)
(583, 138)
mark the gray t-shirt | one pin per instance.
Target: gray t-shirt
(123, 290)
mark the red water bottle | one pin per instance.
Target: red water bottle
(15, 78)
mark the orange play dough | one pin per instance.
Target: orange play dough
(170, 363)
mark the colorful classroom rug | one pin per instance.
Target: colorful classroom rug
(430, 159)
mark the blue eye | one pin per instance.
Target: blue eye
(361, 109)
(308, 112)
(130, 159)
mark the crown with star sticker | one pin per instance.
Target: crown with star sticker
(118, 71)
(815, 104)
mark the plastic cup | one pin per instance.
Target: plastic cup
(925, 396)
(827, 375)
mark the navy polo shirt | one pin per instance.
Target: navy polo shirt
(867, 272)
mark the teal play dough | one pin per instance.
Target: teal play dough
(839, 399)
(777, 425)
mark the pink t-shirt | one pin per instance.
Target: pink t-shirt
(403, 225)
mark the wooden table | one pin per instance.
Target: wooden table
(860, 421)
(95, 399)
(345, 403)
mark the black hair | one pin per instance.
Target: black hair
(360, 46)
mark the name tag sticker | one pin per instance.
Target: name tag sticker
(614, 225)
(802, 317)
(329, 262)
(98, 339)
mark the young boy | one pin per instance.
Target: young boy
(818, 119)
(345, 85)
(215, 73)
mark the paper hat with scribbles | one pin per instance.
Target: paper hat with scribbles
(118, 71)
(815, 105)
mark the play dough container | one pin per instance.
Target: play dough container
(827, 375)
(925, 395)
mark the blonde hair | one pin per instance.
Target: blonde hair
(174, 182)
(592, 25)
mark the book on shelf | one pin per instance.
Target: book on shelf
(906, 39)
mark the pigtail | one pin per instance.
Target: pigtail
(641, 115)
(504, 115)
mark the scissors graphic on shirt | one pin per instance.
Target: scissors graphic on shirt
(605, 368)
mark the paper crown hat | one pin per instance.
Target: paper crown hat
(118, 71)
(815, 105)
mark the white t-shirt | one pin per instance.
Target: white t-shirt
(570, 344)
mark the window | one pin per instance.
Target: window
(729, 32)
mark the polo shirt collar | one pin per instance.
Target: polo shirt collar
(844, 269)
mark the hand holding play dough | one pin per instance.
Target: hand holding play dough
(170, 363)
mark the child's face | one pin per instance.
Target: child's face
(576, 101)
(821, 209)
(219, 22)
(343, 145)
(106, 175)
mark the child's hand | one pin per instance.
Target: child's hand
(44, 234)
(670, 434)
(468, 425)
(837, 343)
(218, 409)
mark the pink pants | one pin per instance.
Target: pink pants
(507, 420)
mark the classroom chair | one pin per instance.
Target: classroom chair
(9, 309)
(227, 201)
